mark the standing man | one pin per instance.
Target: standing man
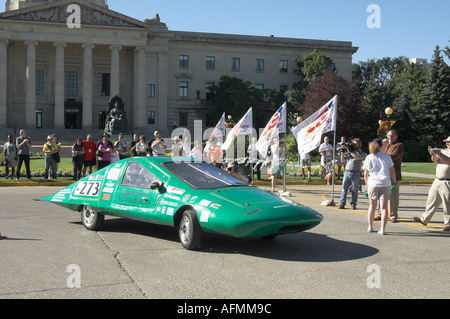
(352, 175)
(158, 145)
(23, 143)
(339, 148)
(326, 153)
(90, 149)
(440, 190)
(394, 148)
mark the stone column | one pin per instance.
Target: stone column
(30, 100)
(3, 82)
(115, 70)
(140, 109)
(59, 84)
(163, 59)
(87, 86)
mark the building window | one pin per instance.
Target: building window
(283, 88)
(283, 66)
(71, 83)
(151, 90)
(184, 61)
(183, 90)
(260, 87)
(38, 118)
(151, 117)
(209, 94)
(183, 119)
(40, 88)
(103, 83)
(259, 65)
(210, 63)
(235, 64)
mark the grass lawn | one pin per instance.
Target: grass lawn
(65, 171)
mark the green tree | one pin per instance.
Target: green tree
(235, 96)
(435, 101)
(380, 83)
(310, 67)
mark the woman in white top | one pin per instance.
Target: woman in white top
(378, 174)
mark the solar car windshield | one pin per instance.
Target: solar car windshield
(203, 175)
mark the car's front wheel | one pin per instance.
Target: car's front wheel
(190, 231)
(91, 219)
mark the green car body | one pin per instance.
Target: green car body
(193, 196)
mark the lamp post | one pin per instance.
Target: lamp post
(389, 112)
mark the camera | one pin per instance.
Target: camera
(349, 145)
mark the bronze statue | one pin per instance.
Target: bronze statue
(116, 120)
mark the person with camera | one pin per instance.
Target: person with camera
(352, 175)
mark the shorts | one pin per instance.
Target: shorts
(379, 192)
(276, 170)
(91, 162)
(306, 163)
(11, 162)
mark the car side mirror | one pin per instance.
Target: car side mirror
(158, 186)
(155, 185)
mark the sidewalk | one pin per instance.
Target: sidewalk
(24, 182)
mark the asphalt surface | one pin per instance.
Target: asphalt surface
(49, 254)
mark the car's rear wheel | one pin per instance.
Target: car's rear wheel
(190, 231)
(91, 219)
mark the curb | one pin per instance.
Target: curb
(256, 183)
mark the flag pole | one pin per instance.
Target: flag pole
(332, 170)
(334, 155)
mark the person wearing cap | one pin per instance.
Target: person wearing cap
(394, 148)
(439, 192)
(49, 149)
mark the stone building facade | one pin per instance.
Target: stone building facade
(61, 61)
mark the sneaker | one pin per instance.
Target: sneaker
(341, 206)
(353, 206)
(6, 177)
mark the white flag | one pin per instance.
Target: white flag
(309, 132)
(276, 125)
(243, 127)
(219, 130)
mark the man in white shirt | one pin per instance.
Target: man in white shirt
(326, 153)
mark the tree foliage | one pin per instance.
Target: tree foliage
(235, 96)
(310, 67)
(323, 89)
(434, 105)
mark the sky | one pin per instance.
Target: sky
(397, 27)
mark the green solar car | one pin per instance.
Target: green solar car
(194, 196)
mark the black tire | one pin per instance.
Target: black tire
(190, 231)
(91, 219)
(269, 237)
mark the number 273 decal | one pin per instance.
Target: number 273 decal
(87, 189)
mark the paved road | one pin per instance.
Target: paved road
(47, 248)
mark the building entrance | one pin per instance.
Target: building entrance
(73, 114)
